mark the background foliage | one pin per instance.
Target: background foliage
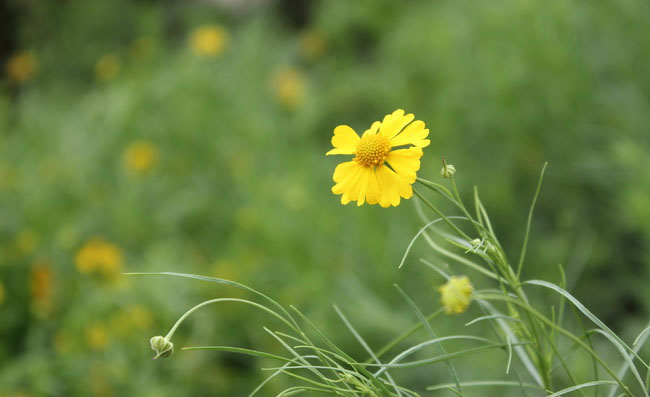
(127, 146)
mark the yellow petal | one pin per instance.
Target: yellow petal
(373, 193)
(392, 186)
(364, 180)
(347, 175)
(405, 162)
(345, 140)
(413, 134)
(394, 123)
(373, 128)
(344, 169)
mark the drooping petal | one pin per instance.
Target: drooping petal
(405, 162)
(344, 169)
(344, 174)
(392, 186)
(364, 181)
(414, 134)
(373, 193)
(349, 183)
(345, 140)
(394, 123)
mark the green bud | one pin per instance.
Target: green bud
(447, 170)
(162, 346)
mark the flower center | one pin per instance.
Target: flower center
(372, 150)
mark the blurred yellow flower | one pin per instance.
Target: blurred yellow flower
(209, 40)
(312, 44)
(107, 67)
(456, 294)
(41, 283)
(96, 336)
(100, 257)
(21, 66)
(367, 178)
(2, 292)
(140, 156)
(26, 241)
(288, 86)
(134, 316)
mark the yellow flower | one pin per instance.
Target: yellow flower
(2, 292)
(289, 87)
(107, 67)
(377, 173)
(41, 281)
(26, 241)
(22, 66)
(209, 40)
(140, 157)
(99, 256)
(96, 336)
(456, 294)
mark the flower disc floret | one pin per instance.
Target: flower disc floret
(372, 150)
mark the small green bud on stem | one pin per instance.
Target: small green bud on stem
(162, 346)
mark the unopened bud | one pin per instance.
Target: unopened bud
(162, 346)
(447, 171)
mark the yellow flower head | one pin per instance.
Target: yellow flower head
(140, 157)
(379, 172)
(41, 282)
(96, 336)
(289, 87)
(209, 40)
(107, 67)
(99, 256)
(456, 294)
(22, 66)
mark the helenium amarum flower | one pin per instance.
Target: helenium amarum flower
(456, 294)
(387, 157)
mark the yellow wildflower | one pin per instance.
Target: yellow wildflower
(209, 40)
(107, 67)
(99, 256)
(140, 157)
(456, 294)
(96, 336)
(22, 66)
(312, 44)
(41, 283)
(288, 87)
(134, 316)
(367, 178)
(26, 241)
(2, 292)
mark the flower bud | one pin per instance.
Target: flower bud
(456, 294)
(162, 346)
(447, 170)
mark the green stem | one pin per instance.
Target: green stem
(561, 330)
(200, 305)
(440, 214)
(406, 334)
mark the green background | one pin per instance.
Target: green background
(240, 188)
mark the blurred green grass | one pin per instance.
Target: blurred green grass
(239, 184)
